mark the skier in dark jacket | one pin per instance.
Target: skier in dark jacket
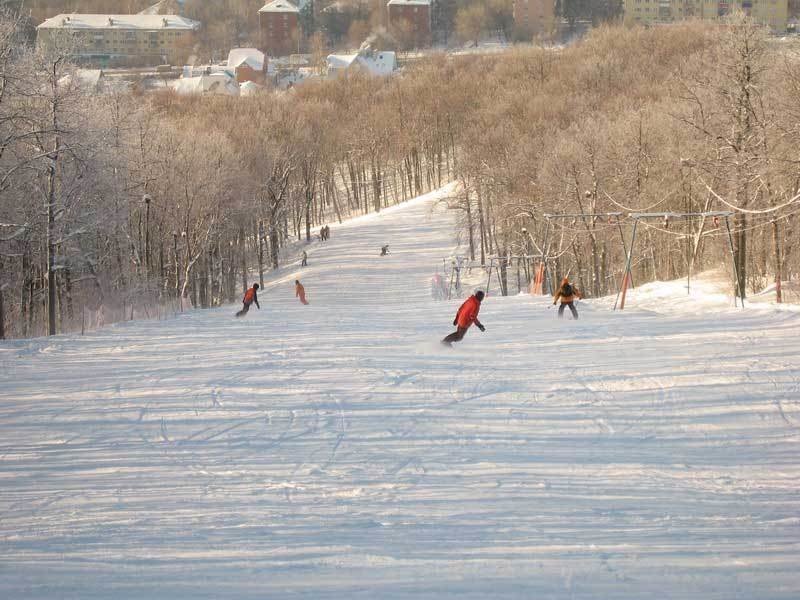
(467, 315)
(567, 294)
(250, 296)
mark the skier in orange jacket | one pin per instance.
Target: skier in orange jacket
(300, 291)
(567, 293)
(250, 296)
(467, 315)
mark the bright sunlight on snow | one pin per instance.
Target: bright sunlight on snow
(336, 450)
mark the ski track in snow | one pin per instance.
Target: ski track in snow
(336, 451)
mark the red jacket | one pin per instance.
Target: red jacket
(250, 296)
(468, 313)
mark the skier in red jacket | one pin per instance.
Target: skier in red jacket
(467, 315)
(250, 296)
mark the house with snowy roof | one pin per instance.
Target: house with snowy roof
(372, 62)
(247, 64)
(216, 83)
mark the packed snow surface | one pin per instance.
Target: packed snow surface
(335, 450)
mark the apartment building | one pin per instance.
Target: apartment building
(410, 21)
(772, 13)
(279, 28)
(533, 17)
(121, 40)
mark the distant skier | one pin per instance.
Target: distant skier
(438, 289)
(327, 232)
(567, 293)
(321, 234)
(250, 296)
(467, 315)
(300, 291)
(384, 249)
(304, 261)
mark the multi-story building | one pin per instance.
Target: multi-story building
(278, 27)
(121, 40)
(533, 17)
(772, 13)
(410, 21)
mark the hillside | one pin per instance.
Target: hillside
(336, 450)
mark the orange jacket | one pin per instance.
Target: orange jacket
(566, 299)
(468, 312)
(250, 296)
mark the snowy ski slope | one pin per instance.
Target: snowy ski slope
(335, 450)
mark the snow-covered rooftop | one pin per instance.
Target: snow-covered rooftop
(250, 88)
(375, 63)
(341, 61)
(279, 6)
(214, 83)
(147, 22)
(253, 57)
(161, 6)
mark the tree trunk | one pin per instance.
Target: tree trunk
(261, 254)
(740, 253)
(482, 225)
(274, 245)
(51, 243)
(778, 258)
(470, 227)
(243, 257)
(2, 306)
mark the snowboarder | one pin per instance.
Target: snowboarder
(321, 234)
(300, 291)
(567, 293)
(467, 315)
(304, 261)
(250, 296)
(327, 233)
(385, 250)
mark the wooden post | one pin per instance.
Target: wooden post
(2, 315)
(627, 276)
(738, 291)
(625, 280)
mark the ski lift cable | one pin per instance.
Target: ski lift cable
(633, 210)
(711, 233)
(772, 209)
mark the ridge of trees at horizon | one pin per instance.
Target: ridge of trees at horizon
(345, 24)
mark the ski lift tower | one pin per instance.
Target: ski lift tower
(546, 279)
(666, 217)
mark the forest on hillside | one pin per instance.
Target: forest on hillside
(118, 205)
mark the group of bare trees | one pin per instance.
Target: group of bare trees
(687, 118)
(120, 204)
(117, 205)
